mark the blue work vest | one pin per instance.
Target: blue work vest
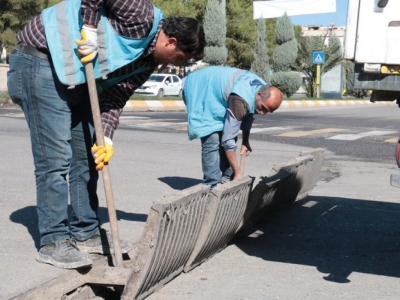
(63, 23)
(206, 94)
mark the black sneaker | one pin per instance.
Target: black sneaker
(63, 254)
(101, 243)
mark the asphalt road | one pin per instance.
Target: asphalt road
(341, 242)
(365, 133)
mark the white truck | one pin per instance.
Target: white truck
(372, 42)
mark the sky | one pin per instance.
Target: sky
(338, 18)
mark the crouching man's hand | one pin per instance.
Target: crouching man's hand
(102, 154)
(245, 149)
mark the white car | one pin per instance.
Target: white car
(161, 85)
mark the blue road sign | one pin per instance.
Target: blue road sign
(318, 57)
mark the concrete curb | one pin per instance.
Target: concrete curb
(154, 105)
(179, 106)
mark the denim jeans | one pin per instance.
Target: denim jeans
(61, 132)
(215, 164)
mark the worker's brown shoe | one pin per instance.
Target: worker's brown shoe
(63, 254)
(101, 243)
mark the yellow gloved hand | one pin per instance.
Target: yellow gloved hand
(87, 46)
(102, 154)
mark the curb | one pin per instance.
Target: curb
(154, 105)
(179, 106)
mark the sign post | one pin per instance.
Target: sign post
(318, 59)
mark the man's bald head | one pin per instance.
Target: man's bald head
(268, 99)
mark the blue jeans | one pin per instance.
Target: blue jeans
(61, 132)
(215, 164)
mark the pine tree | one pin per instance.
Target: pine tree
(14, 14)
(215, 53)
(260, 65)
(284, 58)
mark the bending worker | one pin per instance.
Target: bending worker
(220, 102)
(126, 40)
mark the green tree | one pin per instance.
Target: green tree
(48, 3)
(14, 14)
(241, 29)
(348, 67)
(304, 63)
(215, 53)
(284, 57)
(187, 8)
(298, 32)
(241, 32)
(270, 29)
(260, 65)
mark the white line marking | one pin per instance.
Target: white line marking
(356, 136)
(255, 130)
(132, 117)
(159, 124)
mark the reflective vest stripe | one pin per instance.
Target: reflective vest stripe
(230, 83)
(102, 55)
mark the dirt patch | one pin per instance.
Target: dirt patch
(7, 102)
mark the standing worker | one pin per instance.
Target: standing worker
(126, 40)
(220, 102)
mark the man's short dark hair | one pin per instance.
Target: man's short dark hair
(189, 34)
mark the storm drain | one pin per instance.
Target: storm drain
(287, 183)
(76, 284)
(265, 196)
(311, 171)
(169, 237)
(225, 211)
(304, 172)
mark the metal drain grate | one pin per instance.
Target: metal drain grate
(265, 196)
(225, 211)
(168, 240)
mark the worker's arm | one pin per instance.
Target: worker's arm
(246, 127)
(114, 100)
(88, 44)
(236, 119)
(112, 103)
(130, 18)
(90, 12)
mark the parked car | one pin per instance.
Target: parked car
(161, 85)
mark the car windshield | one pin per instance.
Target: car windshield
(156, 78)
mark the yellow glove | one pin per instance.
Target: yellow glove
(102, 154)
(87, 46)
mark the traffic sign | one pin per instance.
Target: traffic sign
(318, 57)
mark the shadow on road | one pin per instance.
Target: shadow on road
(336, 235)
(27, 216)
(180, 183)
